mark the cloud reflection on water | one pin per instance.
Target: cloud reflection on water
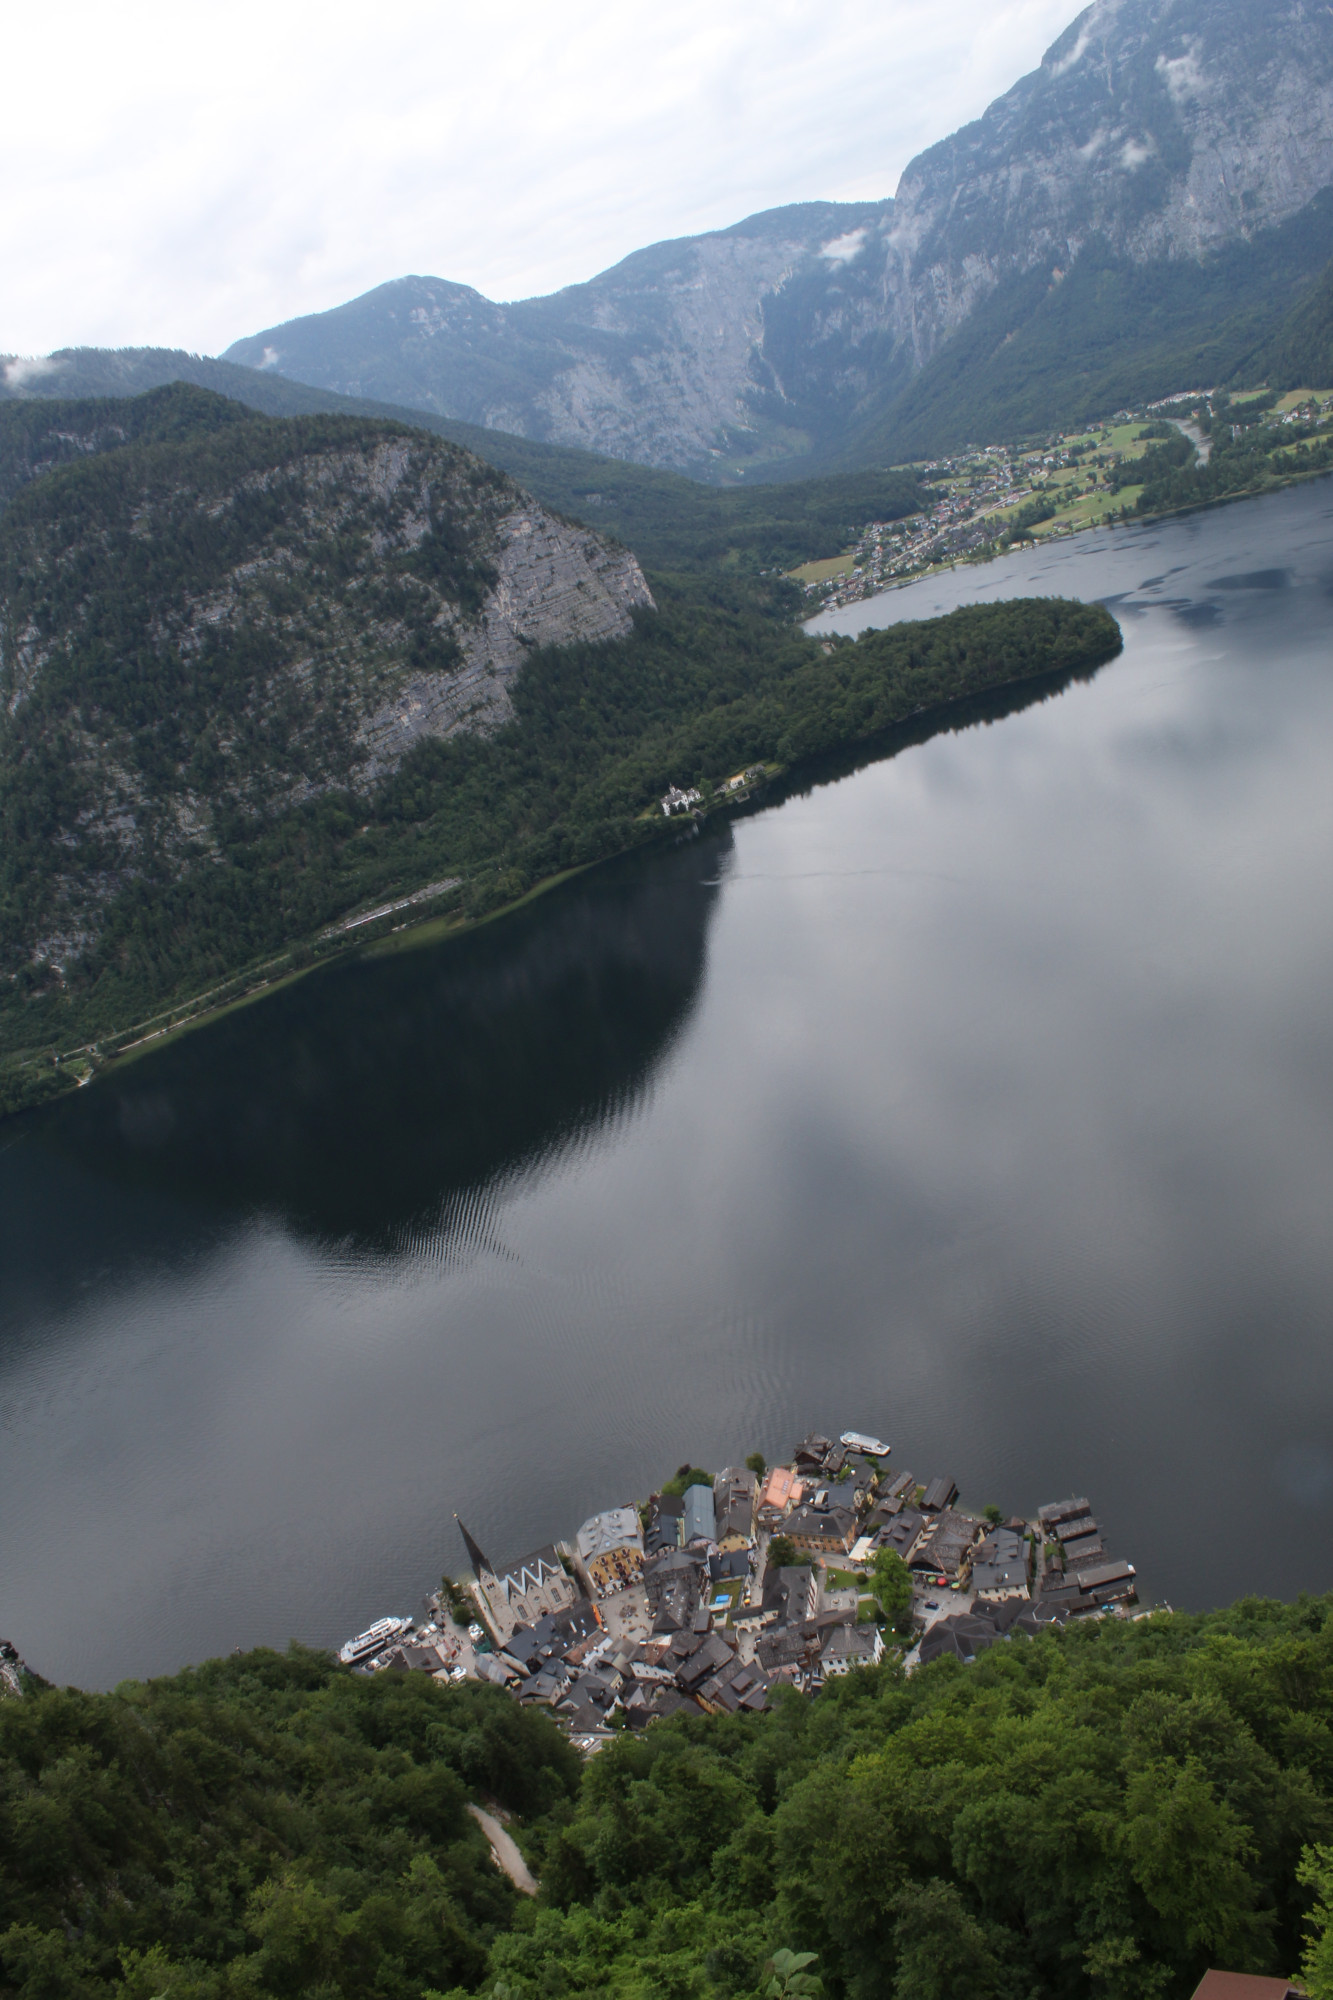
(983, 1097)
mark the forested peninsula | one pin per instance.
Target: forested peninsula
(1106, 1809)
(260, 675)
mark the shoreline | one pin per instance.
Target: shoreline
(84, 1063)
(719, 1590)
(992, 553)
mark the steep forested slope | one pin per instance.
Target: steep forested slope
(39, 435)
(669, 521)
(1298, 353)
(1103, 1811)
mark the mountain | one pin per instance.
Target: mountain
(217, 618)
(1147, 202)
(670, 521)
(665, 358)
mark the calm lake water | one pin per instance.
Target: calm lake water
(981, 1097)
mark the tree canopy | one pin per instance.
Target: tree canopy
(1105, 1810)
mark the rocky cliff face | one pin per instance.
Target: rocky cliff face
(661, 359)
(1166, 128)
(552, 584)
(1159, 129)
(235, 624)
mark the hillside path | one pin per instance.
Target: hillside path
(505, 1849)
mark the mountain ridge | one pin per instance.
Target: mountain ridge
(669, 520)
(1157, 134)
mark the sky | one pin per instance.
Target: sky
(183, 175)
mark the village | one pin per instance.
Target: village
(721, 1588)
(995, 497)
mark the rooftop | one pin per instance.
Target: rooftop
(616, 1528)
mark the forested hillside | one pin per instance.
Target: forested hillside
(114, 396)
(1299, 353)
(37, 437)
(1105, 1810)
(258, 672)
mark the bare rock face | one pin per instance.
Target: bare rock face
(1166, 128)
(229, 626)
(555, 584)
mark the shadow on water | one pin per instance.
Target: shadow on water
(954, 719)
(1253, 579)
(367, 1098)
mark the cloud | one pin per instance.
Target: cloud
(842, 249)
(1182, 75)
(187, 195)
(1076, 54)
(26, 368)
(1133, 154)
(271, 358)
(1094, 145)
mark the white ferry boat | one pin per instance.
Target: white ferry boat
(372, 1640)
(859, 1441)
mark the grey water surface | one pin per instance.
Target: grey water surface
(981, 1096)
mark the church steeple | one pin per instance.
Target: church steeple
(478, 1560)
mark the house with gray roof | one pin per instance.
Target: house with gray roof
(700, 1518)
(848, 1646)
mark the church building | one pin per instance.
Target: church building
(524, 1592)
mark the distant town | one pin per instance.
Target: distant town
(722, 1587)
(995, 497)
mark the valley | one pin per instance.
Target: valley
(605, 879)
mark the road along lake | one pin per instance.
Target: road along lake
(980, 1096)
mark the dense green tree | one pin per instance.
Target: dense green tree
(685, 1477)
(1095, 1814)
(892, 1585)
(784, 1554)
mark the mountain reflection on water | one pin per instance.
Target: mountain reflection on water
(361, 1104)
(981, 1096)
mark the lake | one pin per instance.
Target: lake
(981, 1097)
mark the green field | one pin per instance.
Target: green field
(820, 572)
